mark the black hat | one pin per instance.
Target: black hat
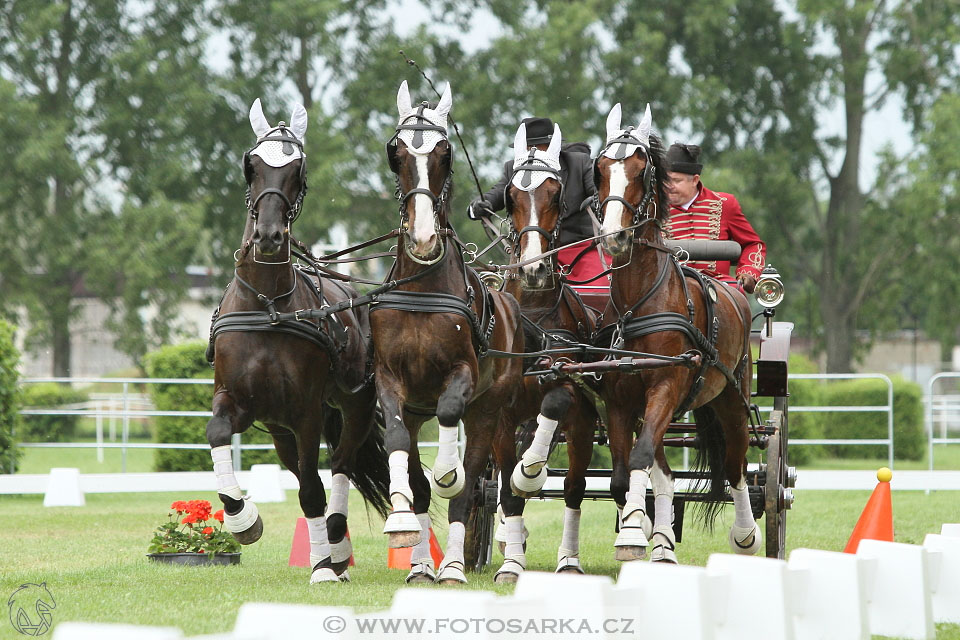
(684, 158)
(539, 130)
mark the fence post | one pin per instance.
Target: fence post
(235, 448)
(99, 432)
(126, 428)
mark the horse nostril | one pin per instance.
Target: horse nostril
(276, 237)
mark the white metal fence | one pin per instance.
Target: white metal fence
(942, 410)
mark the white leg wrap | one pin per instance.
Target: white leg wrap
(452, 566)
(530, 475)
(745, 537)
(319, 544)
(421, 552)
(339, 491)
(662, 497)
(634, 521)
(240, 522)
(400, 478)
(664, 543)
(570, 542)
(514, 558)
(447, 479)
(402, 518)
(223, 468)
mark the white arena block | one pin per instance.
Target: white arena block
(647, 593)
(899, 599)
(951, 530)
(443, 612)
(63, 489)
(271, 621)
(95, 631)
(757, 601)
(830, 598)
(945, 577)
(265, 484)
(577, 603)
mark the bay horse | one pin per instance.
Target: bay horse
(430, 336)
(554, 316)
(303, 380)
(656, 307)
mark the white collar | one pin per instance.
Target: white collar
(691, 201)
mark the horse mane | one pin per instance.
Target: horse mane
(658, 156)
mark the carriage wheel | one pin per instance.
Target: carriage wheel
(775, 489)
(478, 538)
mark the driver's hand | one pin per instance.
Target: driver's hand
(747, 281)
(479, 208)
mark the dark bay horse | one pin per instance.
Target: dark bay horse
(304, 380)
(430, 336)
(657, 308)
(554, 316)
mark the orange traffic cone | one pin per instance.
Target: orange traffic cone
(400, 558)
(300, 549)
(876, 521)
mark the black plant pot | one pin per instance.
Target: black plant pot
(195, 559)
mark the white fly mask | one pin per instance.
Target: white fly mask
(622, 143)
(278, 153)
(525, 175)
(420, 127)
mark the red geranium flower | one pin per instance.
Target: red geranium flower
(207, 530)
(218, 516)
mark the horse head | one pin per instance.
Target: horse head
(275, 171)
(534, 199)
(629, 176)
(421, 158)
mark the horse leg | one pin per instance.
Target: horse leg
(510, 527)
(745, 537)
(529, 476)
(579, 452)
(313, 500)
(514, 442)
(241, 517)
(621, 433)
(663, 540)
(401, 525)
(447, 479)
(421, 560)
(632, 542)
(480, 429)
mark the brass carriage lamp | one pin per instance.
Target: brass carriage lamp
(770, 288)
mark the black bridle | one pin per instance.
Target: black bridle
(280, 133)
(649, 179)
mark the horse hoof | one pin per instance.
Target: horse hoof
(745, 541)
(569, 565)
(450, 484)
(629, 554)
(403, 539)
(420, 579)
(252, 534)
(324, 575)
(505, 578)
(450, 582)
(526, 487)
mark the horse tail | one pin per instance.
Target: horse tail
(370, 470)
(711, 450)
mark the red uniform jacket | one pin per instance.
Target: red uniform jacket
(717, 216)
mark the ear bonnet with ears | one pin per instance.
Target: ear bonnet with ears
(420, 127)
(531, 168)
(622, 143)
(277, 151)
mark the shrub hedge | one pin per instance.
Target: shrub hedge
(50, 395)
(9, 399)
(187, 361)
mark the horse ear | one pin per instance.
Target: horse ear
(645, 128)
(446, 102)
(613, 122)
(403, 99)
(555, 142)
(298, 121)
(257, 119)
(520, 144)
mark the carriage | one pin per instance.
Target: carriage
(770, 482)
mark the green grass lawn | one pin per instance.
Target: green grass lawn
(92, 558)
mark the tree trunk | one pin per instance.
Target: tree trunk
(840, 335)
(60, 330)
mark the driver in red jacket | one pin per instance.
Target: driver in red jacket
(697, 213)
